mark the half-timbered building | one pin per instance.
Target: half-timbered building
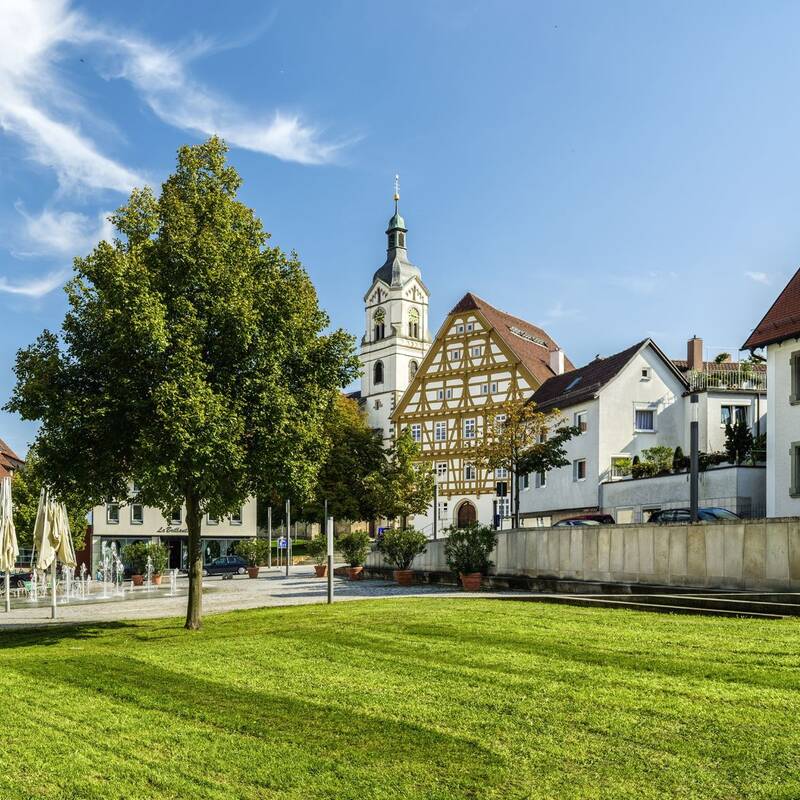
(480, 362)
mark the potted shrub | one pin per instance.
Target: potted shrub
(159, 558)
(318, 550)
(253, 551)
(354, 547)
(467, 551)
(135, 556)
(399, 548)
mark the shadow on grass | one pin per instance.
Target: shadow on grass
(330, 732)
(58, 632)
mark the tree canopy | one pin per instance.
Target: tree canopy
(526, 441)
(26, 486)
(193, 360)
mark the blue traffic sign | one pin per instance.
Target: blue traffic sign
(282, 543)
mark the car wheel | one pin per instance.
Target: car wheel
(241, 571)
(205, 573)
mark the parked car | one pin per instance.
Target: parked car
(226, 565)
(672, 515)
(585, 519)
(17, 579)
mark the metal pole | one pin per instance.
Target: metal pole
(53, 587)
(8, 593)
(329, 521)
(288, 534)
(694, 459)
(435, 506)
(269, 534)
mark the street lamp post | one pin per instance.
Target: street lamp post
(694, 458)
(435, 506)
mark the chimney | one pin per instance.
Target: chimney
(694, 353)
(557, 361)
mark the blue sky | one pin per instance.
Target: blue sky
(606, 170)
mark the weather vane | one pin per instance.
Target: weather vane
(396, 188)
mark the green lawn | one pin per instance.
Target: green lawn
(413, 698)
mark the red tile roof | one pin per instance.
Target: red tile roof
(9, 460)
(515, 332)
(782, 321)
(712, 366)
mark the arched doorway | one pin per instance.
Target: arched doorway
(466, 515)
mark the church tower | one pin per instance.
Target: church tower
(396, 328)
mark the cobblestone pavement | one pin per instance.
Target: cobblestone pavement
(271, 588)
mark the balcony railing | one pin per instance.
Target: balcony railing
(740, 378)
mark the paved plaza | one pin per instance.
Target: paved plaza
(271, 588)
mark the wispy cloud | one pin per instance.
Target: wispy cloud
(160, 75)
(758, 277)
(35, 105)
(38, 287)
(558, 311)
(62, 232)
(645, 282)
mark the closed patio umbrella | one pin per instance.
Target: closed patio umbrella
(52, 539)
(8, 537)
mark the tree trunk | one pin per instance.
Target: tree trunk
(194, 608)
(515, 490)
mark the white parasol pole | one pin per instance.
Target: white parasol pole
(53, 582)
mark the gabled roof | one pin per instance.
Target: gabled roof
(585, 382)
(782, 321)
(9, 460)
(528, 342)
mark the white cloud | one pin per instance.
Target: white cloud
(32, 97)
(645, 282)
(758, 277)
(161, 77)
(63, 232)
(38, 287)
(558, 311)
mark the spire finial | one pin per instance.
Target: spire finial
(396, 191)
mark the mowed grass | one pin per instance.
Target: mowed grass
(405, 698)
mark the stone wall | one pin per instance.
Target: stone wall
(751, 554)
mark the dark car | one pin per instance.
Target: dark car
(673, 515)
(16, 579)
(226, 565)
(585, 519)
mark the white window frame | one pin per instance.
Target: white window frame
(503, 507)
(441, 469)
(236, 518)
(470, 471)
(540, 480)
(459, 329)
(501, 473)
(470, 430)
(443, 510)
(470, 327)
(576, 470)
(526, 481)
(653, 410)
(440, 431)
(211, 520)
(646, 374)
(135, 521)
(416, 432)
(580, 419)
(734, 408)
(476, 351)
(454, 354)
(109, 520)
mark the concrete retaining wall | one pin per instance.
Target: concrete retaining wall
(751, 554)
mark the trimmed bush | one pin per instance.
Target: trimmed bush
(253, 550)
(400, 547)
(467, 549)
(355, 547)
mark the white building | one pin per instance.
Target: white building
(779, 333)
(625, 404)
(125, 523)
(395, 330)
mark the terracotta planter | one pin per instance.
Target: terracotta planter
(471, 582)
(355, 573)
(252, 572)
(138, 580)
(321, 570)
(404, 577)
(157, 580)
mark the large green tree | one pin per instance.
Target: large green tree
(355, 454)
(192, 360)
(404, 486)
(26, 486)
